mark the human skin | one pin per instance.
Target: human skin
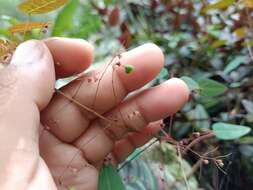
(48, 142)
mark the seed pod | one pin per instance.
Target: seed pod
(118, 63)
(185, 141)
(196, 135)
(206, 162)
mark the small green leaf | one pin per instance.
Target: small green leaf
(192, 84)
(235, 63)
(225, 131)
(211, 88)
(109, 179)
(129, 69)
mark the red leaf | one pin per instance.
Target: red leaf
(114, 17)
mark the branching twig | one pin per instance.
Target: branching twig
(86, 108)
(197, 140)
(100, 79)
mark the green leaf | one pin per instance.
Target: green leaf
(248, 105)
(149, 177)
(65, 19)
(245, 140)
(210, 102)
(109, 179)
(235, 63)
(110, 2)
(129, 69)
(214, 30)
(137, 185)
(192, 84)
(200, 117)
(139, 169)
(211, 88)
(225, 131)
(128, 187)
(163, 74)
(4, 33)
(78, 20)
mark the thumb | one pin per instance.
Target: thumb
(26, 86)
(34, 71)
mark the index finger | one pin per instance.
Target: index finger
(71, 56)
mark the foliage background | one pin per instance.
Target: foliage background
(215, 45)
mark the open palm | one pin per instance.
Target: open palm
(50, 140)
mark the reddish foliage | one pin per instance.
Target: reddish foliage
(114, 17)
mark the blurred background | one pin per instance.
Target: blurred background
(200, 39)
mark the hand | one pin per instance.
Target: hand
(49, 142)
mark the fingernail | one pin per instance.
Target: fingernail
(28, 53)
(182, 86)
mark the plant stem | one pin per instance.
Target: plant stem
(86, 108)
(197, 140)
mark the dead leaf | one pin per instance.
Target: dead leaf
(40, 6)
(241, 32)
(222, 4)
(247, 43)
(28, 26)
(218, 43)
(248, 3)
(114, 17)
(7, 48)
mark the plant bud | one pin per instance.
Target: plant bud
(196, 135)
(206, 162)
